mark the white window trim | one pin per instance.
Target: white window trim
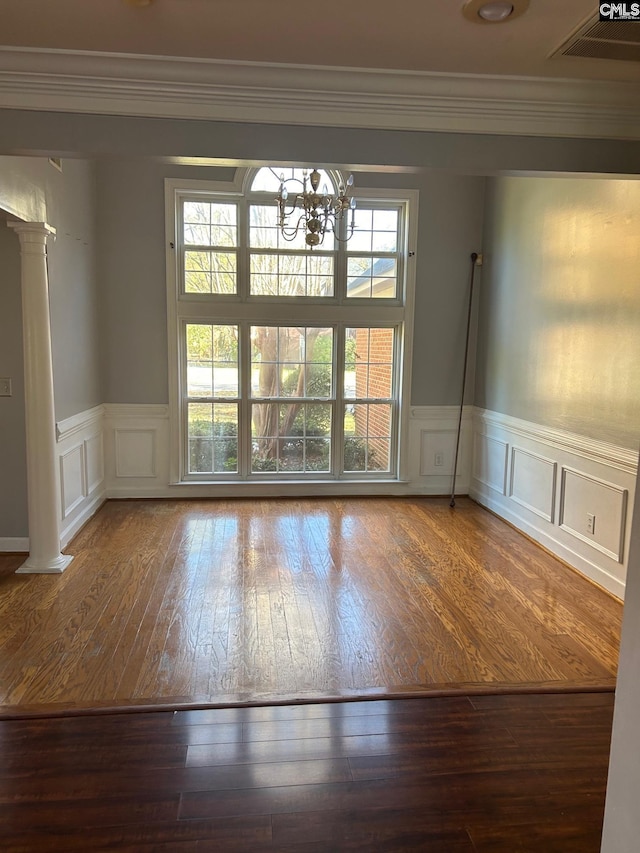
(327, 311)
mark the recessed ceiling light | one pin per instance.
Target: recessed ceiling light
(489, 12)
(496, 11)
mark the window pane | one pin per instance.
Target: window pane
(385, 231)
(210, 224)
(210, 272)
(197, 235)
(291, 275)
(291, 437)
(212, 361)
(368, 363)
(213, 438)
(197, 212)
(371, 277)
(291, 362)
(264, 230)
(367, 443)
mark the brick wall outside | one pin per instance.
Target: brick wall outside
(374, 355)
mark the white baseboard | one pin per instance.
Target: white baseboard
(14, 544)
(88, 510)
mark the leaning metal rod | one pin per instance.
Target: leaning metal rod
(474, 258)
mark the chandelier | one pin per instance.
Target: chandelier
(315, 213)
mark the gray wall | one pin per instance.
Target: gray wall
(133, 276)
(560, 305)
(13, 462)
(34, 190)
(65, 133)
(74, 291)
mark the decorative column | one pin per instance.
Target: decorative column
(42, 483)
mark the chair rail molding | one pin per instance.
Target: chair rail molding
(122, 84)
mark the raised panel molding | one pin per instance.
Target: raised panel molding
(81, 469)
(73, 487)
(94, 460)
(79, 81)
(532, 482)
(606, 502)
(490, 461)
(135, 452)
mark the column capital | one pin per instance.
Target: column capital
(33, 235)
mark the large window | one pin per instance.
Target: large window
(286, 361)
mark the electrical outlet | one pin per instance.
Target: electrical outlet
(438, 460)
(591, 523)
(5, 386)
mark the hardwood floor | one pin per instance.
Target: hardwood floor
(478, 774)
(198, 602)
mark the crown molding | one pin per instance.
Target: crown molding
(168, 87)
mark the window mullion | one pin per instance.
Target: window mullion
(244, 426)
(337, 422)
(243, 260)
(340, 280)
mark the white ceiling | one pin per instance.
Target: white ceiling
(410, 35)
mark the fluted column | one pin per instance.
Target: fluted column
(42, 482)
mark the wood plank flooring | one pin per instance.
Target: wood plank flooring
(478, 774)
(198, 602)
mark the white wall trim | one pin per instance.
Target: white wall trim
(562, 478)
(432, 440)
(77, 424)
(80, 452)
(588, 448)
(123, 84)
(11, 544)
(127, 411)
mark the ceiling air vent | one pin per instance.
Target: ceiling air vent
(618, 40)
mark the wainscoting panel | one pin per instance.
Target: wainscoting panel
(586, 498)
(94, 454)
(432, 447)
(81, 469)
(72, 479)
(533, 482)
(137, 451)
(556, 482)
(490, 461)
